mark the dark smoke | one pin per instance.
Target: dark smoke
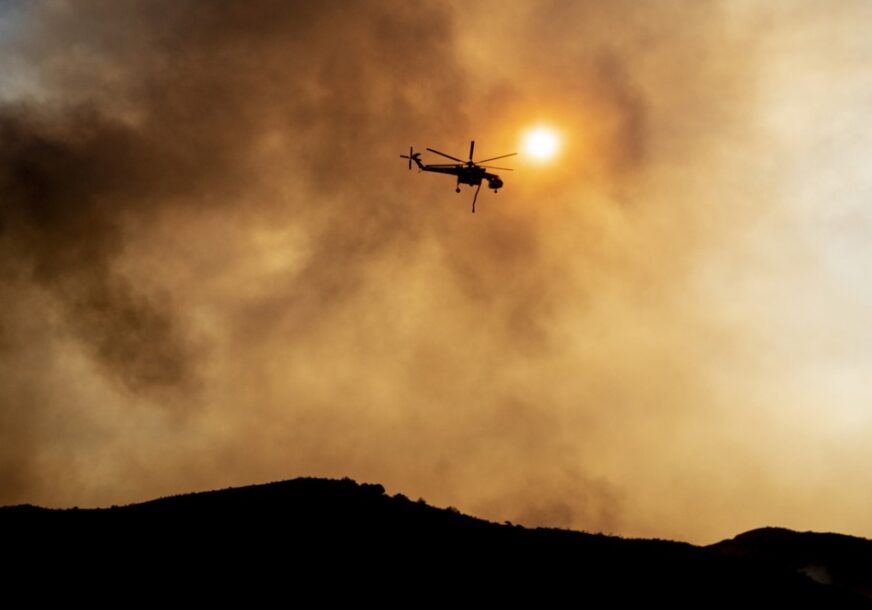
(203, 85)
(148, 107)
(66, 189)
(218, 270)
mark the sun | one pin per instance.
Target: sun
(541, 143)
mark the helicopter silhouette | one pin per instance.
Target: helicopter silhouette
(467, 172)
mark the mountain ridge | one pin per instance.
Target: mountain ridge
(357, 529)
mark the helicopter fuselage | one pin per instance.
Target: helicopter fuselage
(466, 174)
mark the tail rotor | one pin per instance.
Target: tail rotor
(410, 156)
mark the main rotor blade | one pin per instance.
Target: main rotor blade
(471, 148)
(508, 169)
(433, 150)
(444, 165)
(495, 158)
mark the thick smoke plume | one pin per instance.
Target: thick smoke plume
(217, 271)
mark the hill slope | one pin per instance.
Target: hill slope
(304, 530)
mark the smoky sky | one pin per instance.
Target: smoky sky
(217, 270)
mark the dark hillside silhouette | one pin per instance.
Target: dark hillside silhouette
(288, 535)
(835, 559)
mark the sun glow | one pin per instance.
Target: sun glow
(541, 143)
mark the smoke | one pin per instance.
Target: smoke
(219, 271)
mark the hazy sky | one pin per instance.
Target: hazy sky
(217, 271)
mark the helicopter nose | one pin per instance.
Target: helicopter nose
(495, 183)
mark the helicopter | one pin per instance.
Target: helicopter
(467, 172)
